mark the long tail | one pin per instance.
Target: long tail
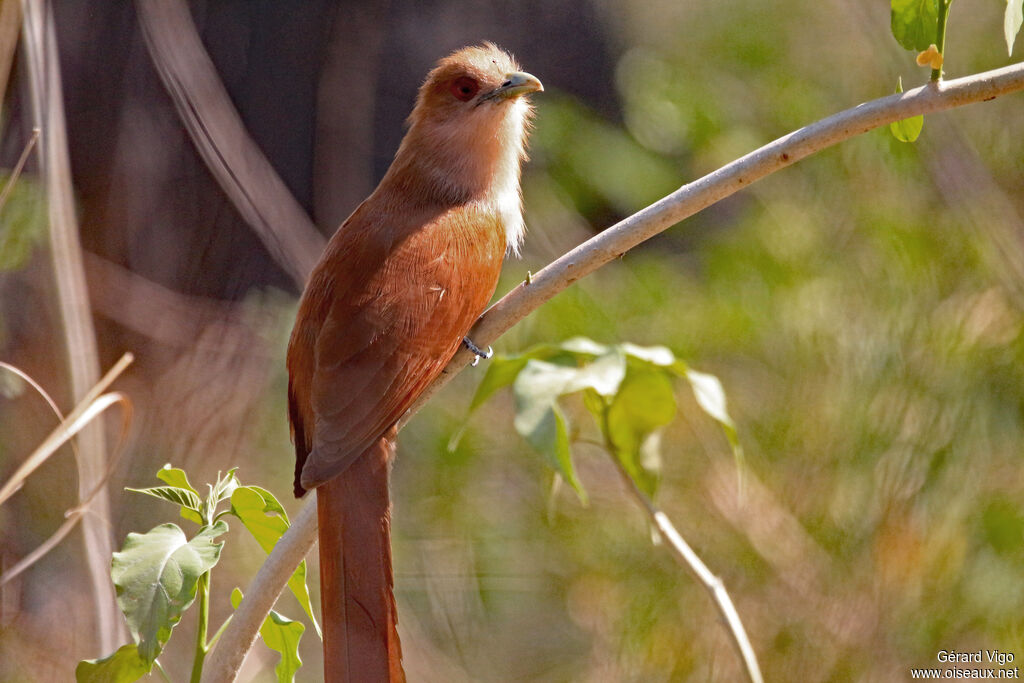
(356, 586)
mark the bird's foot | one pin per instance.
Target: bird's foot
(477, 352)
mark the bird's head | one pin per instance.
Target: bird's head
(474, 87)
(467, 133)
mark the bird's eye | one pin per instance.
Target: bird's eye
(464, 88)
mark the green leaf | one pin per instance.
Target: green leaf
(583, 346)
(644, 403)
(175, 477)
(906, 130)
(603, 375)
(914, 23)
(225, 486)
(172, 494)
(501, 372)
(221, 490)
(124, 666)
(24, 221)
(156, 574)
(710, 395)
(539, 419)
(261, 514)
(281, 635)
(711, 398)
(265, 518)
(655, 355)
(1012, 21)
(594, 403)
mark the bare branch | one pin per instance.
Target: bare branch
(217, 131)
(225, 660)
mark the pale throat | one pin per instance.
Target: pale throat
(503, 195)
(482, 165)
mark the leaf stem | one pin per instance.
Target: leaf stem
(204, 620)
(686, 556)
(216, 636)
(160, 670)
(940, 35)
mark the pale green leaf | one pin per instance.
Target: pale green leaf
(583, 346)
(603, 375)
(175, 477)
(711, 398)
(156, 575)
(225, 486)
(710, 395)
(538, 418)
(172, 494)
(501, 372)
(1012, 20)
(124, 666)
(914, 22)
(282, 635)
(906, 130)
(645, 403)
(265, 518)
(655, 355)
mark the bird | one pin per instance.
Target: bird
(391, 300)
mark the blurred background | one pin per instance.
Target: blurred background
(863, 309)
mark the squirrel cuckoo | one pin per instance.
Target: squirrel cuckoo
(392, 298)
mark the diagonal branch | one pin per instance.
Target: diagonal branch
(217, 131)
(226, 659)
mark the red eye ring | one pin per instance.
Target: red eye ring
(464, 88)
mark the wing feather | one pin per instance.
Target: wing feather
(395, 301)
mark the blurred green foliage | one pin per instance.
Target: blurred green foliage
(22, 221)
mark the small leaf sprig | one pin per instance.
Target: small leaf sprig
(161, 573)
(627, 388)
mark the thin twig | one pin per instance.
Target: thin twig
(226, 659)
(686, 556)
(72, 516)
(76, 420)
(88, 409)
(18, 167)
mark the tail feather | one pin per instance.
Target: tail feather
(356, 586)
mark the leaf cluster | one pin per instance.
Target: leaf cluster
(159, 574)
(627, 389)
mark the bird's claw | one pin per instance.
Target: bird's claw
(477, 352)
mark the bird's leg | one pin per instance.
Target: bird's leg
(477, 352)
